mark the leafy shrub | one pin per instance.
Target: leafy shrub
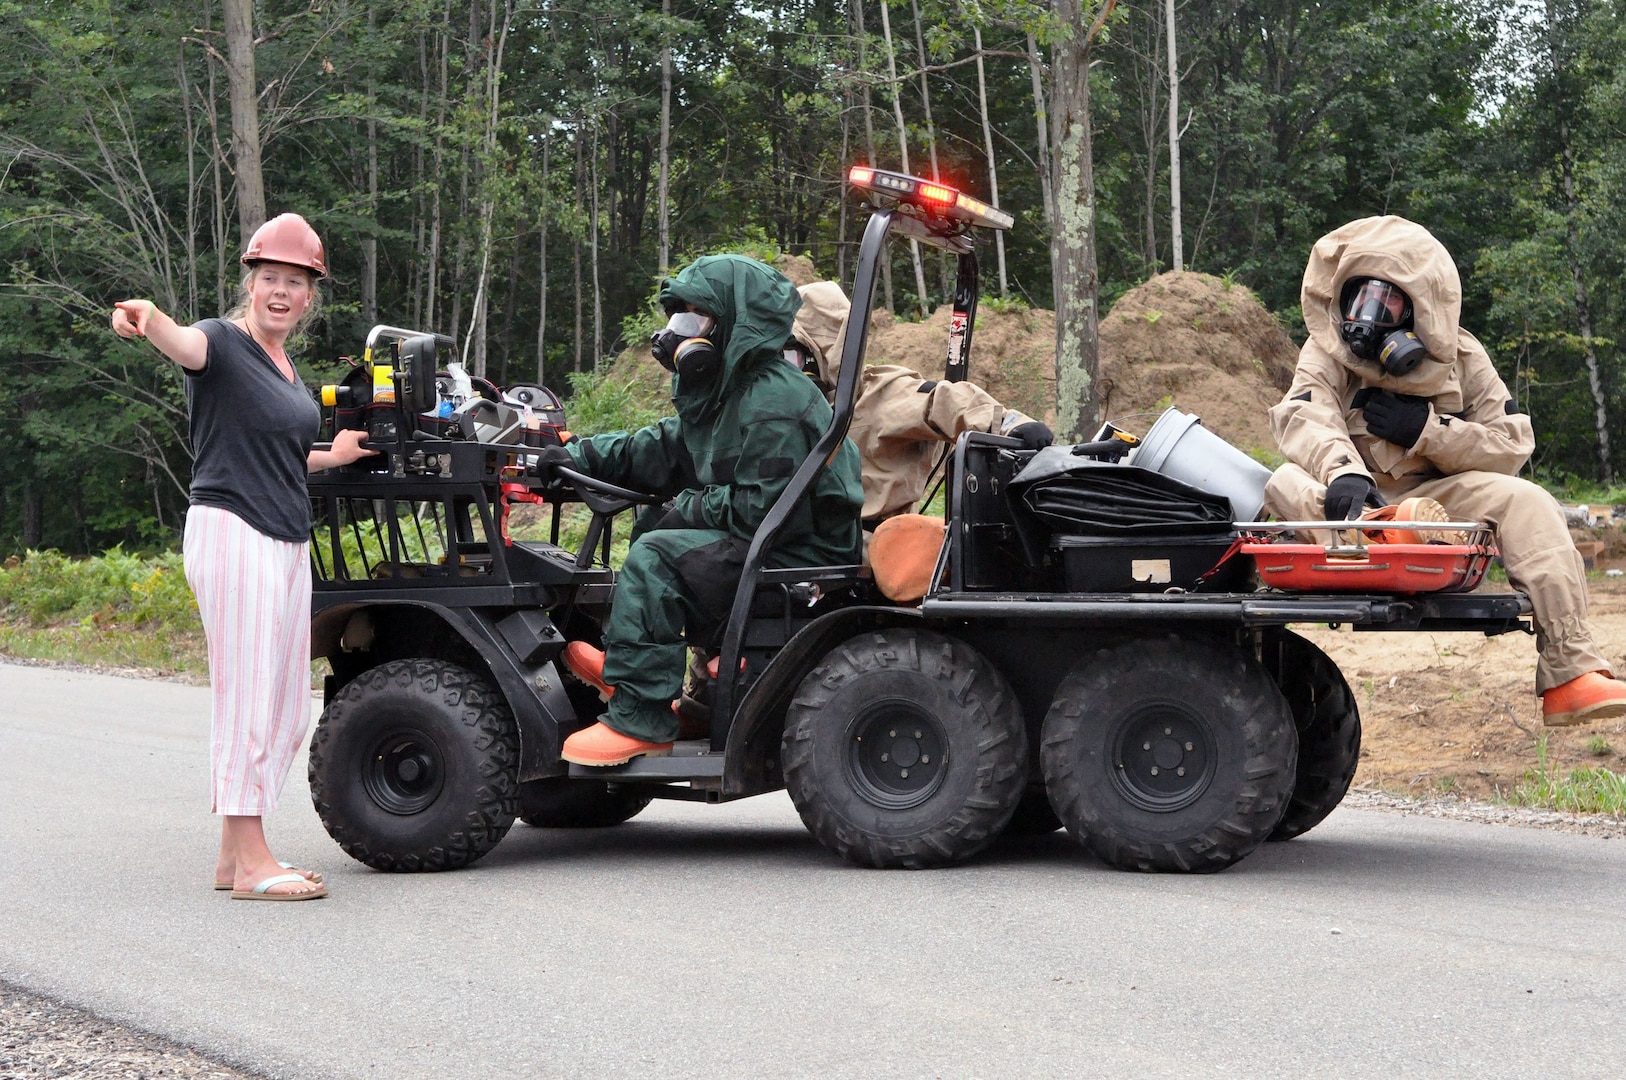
(603, 402)
(116, 587)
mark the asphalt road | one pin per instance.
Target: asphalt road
(723, 942)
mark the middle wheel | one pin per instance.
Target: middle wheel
(1169, 754)
(905, 748)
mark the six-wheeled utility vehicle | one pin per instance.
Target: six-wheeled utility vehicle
(1093, 651)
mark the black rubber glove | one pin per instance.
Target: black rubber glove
(545, 463)
(1034, 435)
(1348, 495)
(1396, 418)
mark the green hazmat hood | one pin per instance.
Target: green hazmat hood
(755, 307)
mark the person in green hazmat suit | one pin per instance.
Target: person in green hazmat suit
(745, 422)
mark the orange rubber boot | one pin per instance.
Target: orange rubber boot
(1593, 696)
(603, 745)
(587, 664)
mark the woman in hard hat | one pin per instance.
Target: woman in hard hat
(252, 425)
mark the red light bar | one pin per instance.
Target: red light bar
(937, 199)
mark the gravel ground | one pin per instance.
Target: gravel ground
(40, 1039)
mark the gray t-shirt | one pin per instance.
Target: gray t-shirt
(251, 432)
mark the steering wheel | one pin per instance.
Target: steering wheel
(603, 497)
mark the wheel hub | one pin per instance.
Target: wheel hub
(1163, 756)
(404, 772)
(897, 754)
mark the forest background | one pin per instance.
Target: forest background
(517, 175)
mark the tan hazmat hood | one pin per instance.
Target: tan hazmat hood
(1401, 252)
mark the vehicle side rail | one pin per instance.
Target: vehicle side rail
(1488, 613)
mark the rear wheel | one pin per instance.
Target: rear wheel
(1329, 726)
(905, 748)
(414, 766)
(559, 803)
(1171, 754)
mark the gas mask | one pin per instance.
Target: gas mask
(802, 359)
(1377, 325)
(683, 347)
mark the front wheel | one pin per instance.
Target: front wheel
(905, 748)
(1172, 754)
(414, 766)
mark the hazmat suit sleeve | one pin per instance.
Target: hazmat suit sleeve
(1309, 422)
(652, 459)
(772, 448)
(1489, 434)
(906, 406)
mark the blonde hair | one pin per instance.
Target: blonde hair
(240, 308)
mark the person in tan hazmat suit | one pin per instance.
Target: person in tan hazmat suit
(901, 419)
(1392, 399)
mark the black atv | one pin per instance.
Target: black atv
(1171, 723)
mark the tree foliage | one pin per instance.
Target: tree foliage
(442, 147)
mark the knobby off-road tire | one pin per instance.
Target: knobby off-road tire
(414, 766)
(1169, 754)
(1329, 726)
(905, 748)
(556, 802)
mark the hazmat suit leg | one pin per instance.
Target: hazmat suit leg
(1537, 552)
(1540, 558)
(677, 586)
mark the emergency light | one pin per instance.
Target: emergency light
(929, 195)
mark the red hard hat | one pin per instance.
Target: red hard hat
(287, 238)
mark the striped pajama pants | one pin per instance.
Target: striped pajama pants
(254, 596)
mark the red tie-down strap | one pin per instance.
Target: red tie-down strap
(512, 493)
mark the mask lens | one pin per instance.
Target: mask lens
(1376, 303)
(690, 324)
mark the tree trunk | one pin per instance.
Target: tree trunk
(1074, 272)
(1174, 143)
(576, 244)
(903, 148)
(1041, 116)
(369, 243)
(869, 135)
(33, 516)
(662, 184)
(592, 248)
(496, 41)
(988, 149)
(245, 116)
(542, 271)
(433, 291)
(1583, 312)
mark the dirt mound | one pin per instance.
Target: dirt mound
(1201, 345)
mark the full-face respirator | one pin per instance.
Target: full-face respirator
(684, 347)
(1377, 325)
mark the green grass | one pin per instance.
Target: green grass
(1592, 790)
(117, 610)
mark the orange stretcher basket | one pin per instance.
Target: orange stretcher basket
(1359, 560)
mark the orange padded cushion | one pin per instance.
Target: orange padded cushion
(902, 553)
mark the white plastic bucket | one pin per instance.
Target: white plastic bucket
(1179, 446)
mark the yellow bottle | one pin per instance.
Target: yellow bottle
(383, 384)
